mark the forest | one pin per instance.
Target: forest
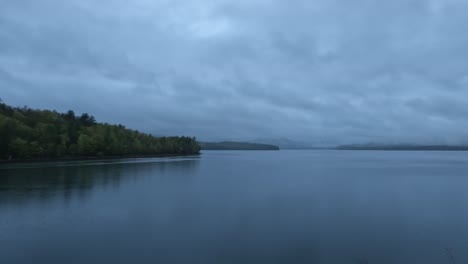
(27, 133)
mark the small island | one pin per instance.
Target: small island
(232, 145)
(30, 134)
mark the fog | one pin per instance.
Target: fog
(329, 71)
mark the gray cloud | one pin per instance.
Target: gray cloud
(336, 71)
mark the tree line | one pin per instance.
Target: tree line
(27, 133)
(231, 145)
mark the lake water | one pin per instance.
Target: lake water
(239, 207)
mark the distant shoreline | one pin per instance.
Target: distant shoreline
(233, 145)
(86, 158)
(262, 150)
(403, 147)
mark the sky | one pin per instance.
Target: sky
(329, 71)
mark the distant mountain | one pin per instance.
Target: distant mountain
(373, 146)
(232, 145)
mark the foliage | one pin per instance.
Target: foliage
(42, 134)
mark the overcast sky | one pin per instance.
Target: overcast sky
(314, 70)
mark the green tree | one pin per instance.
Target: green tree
(29, 133)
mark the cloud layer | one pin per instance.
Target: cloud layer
(334, 71)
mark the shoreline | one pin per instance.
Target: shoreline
(459, 149)
(90, 158)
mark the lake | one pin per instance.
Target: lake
(239, 207)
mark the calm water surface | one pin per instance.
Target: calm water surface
(239, 207)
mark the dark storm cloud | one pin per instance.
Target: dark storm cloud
(334, 71)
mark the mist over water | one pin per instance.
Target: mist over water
(320, 72)
(119, 78)
(239, 207)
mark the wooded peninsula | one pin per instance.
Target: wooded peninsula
(30, 134)
(231, 145)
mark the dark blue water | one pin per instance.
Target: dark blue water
(239, 207)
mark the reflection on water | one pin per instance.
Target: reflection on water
(39, 182)
(239, 207)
